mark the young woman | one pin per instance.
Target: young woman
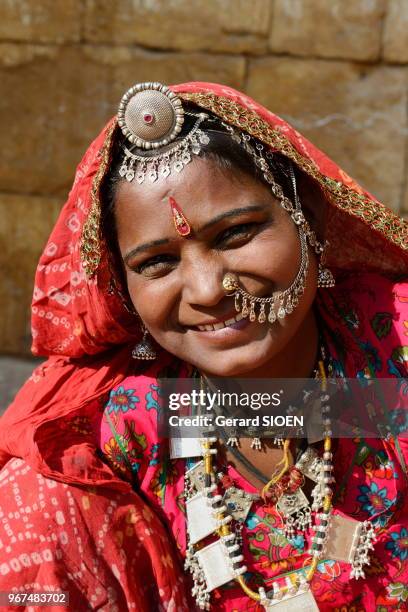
(205, 237)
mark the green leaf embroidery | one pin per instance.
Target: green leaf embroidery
(381, 324)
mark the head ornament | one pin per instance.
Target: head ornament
(151, 118)
(150, 115)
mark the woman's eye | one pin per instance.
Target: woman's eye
(156, 266)
(236, 233)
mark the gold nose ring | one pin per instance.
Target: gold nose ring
(253, 306)
(230, 283)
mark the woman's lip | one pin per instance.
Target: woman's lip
(225, 318)
(219, 324)
(223, 332)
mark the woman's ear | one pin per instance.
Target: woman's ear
(313, 203)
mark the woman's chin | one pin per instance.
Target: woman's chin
(242, 363)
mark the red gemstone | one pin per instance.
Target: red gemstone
(148, 117)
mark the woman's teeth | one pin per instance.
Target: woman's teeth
(216, 326)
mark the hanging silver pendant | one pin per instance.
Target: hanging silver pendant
(238, 503)
(217, 565)
(233, 441)
(290, 503)
(310, 464)
(196, 474)
(349, 541)
(200, 520)
(302, 601)
(256, 443)
(182, 448)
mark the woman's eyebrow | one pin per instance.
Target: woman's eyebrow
(145, 247)
(235, 212)
(225, 215)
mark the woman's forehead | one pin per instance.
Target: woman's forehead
(202, 191)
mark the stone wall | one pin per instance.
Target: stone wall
(336, 69)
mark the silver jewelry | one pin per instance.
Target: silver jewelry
(151, 117)
(280, 304)
(144, 349)
(284, 302)
(325, 278)
(256, 150)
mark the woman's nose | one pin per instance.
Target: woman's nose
(202, 282)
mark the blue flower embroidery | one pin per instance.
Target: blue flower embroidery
(154, 454)
(373, 499)
(252, 520)
(399, 544)
(383, 519)
(122, 400)
(372, 356)
(152, 402)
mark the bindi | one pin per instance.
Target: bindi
(180, 222)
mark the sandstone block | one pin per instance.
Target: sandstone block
(337, 29)
(404, 211)
(217, 25)
(128, 66)
(354, 113)
(395, 45)
(58, 99)
(41, 20)
(25, 224)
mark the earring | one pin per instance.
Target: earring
(325, 278)
(144, 349)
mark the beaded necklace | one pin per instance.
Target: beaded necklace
(220, 561)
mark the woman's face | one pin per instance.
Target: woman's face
(175, 283)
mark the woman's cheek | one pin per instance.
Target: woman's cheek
(275, 256)
(152, 299)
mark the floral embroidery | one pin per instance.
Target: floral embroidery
(372, 356)
(154, 454)
(398, 591)
(166, 475)
(114, 455)
(127, 449)
(398, 364)
(81, 424)
(382, 324)
(398, 545)
(381, 467)
(373, 499)
(152, 402)
(329, 570)
(122, 400)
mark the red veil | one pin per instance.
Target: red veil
(80, 322)
(82, 325)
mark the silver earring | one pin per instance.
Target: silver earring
(325, 278)
(144, 349)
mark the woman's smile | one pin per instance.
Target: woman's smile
(224, 331)
(236, 226)
(220, 324)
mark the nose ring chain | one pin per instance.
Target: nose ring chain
(280, 304)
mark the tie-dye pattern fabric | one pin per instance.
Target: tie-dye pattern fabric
(370, 480)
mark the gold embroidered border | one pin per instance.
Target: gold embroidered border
(374, 214)
(90, 244)
(378, 216)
